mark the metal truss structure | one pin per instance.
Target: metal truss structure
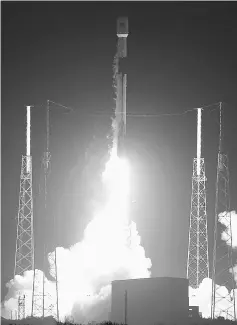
(52, 307)
(223, 299)
(43, 303)
(24, 256)
(21, 307)
(198, 263)
(38, 295)
(223, 284)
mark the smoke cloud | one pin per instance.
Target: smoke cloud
(202, 296)
(110, 250)
(24, 284)
(232, 216)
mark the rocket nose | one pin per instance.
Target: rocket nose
(122, 26)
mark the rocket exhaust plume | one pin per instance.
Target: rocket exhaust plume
(110, 250)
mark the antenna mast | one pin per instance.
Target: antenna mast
(197, 262)
(223, 301)
(40, 308)
(24, 255)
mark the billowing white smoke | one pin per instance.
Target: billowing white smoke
(226, 218)
(202, 296)
(232, 216)
(24, 284)
(110, 250)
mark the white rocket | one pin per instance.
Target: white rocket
(121, 84)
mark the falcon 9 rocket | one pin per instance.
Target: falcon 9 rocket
(121, 84)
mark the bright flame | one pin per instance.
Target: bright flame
(110, 250)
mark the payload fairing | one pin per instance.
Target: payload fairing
(121, 84)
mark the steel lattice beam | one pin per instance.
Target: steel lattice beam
(24, 256)
(223, 301)
(21, 307)
(198, 263)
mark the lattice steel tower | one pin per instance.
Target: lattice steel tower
(24, 256)
(21, 306)
(198, 263)
(44, 303)
(223, 301)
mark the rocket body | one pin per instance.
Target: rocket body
(122, 33)
(121, 85)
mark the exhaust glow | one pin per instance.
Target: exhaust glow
(110, 250)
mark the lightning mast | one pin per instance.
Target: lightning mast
(24, 255)
(223, 300)
(197, 263)
(39, 307)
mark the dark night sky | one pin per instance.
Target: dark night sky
(180, 56)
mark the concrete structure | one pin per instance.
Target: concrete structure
(150, 301)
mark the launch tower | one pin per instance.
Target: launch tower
(24, 255)
(198, 264)
(223, 300)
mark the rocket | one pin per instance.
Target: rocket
(122, 33)
(121, 84)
